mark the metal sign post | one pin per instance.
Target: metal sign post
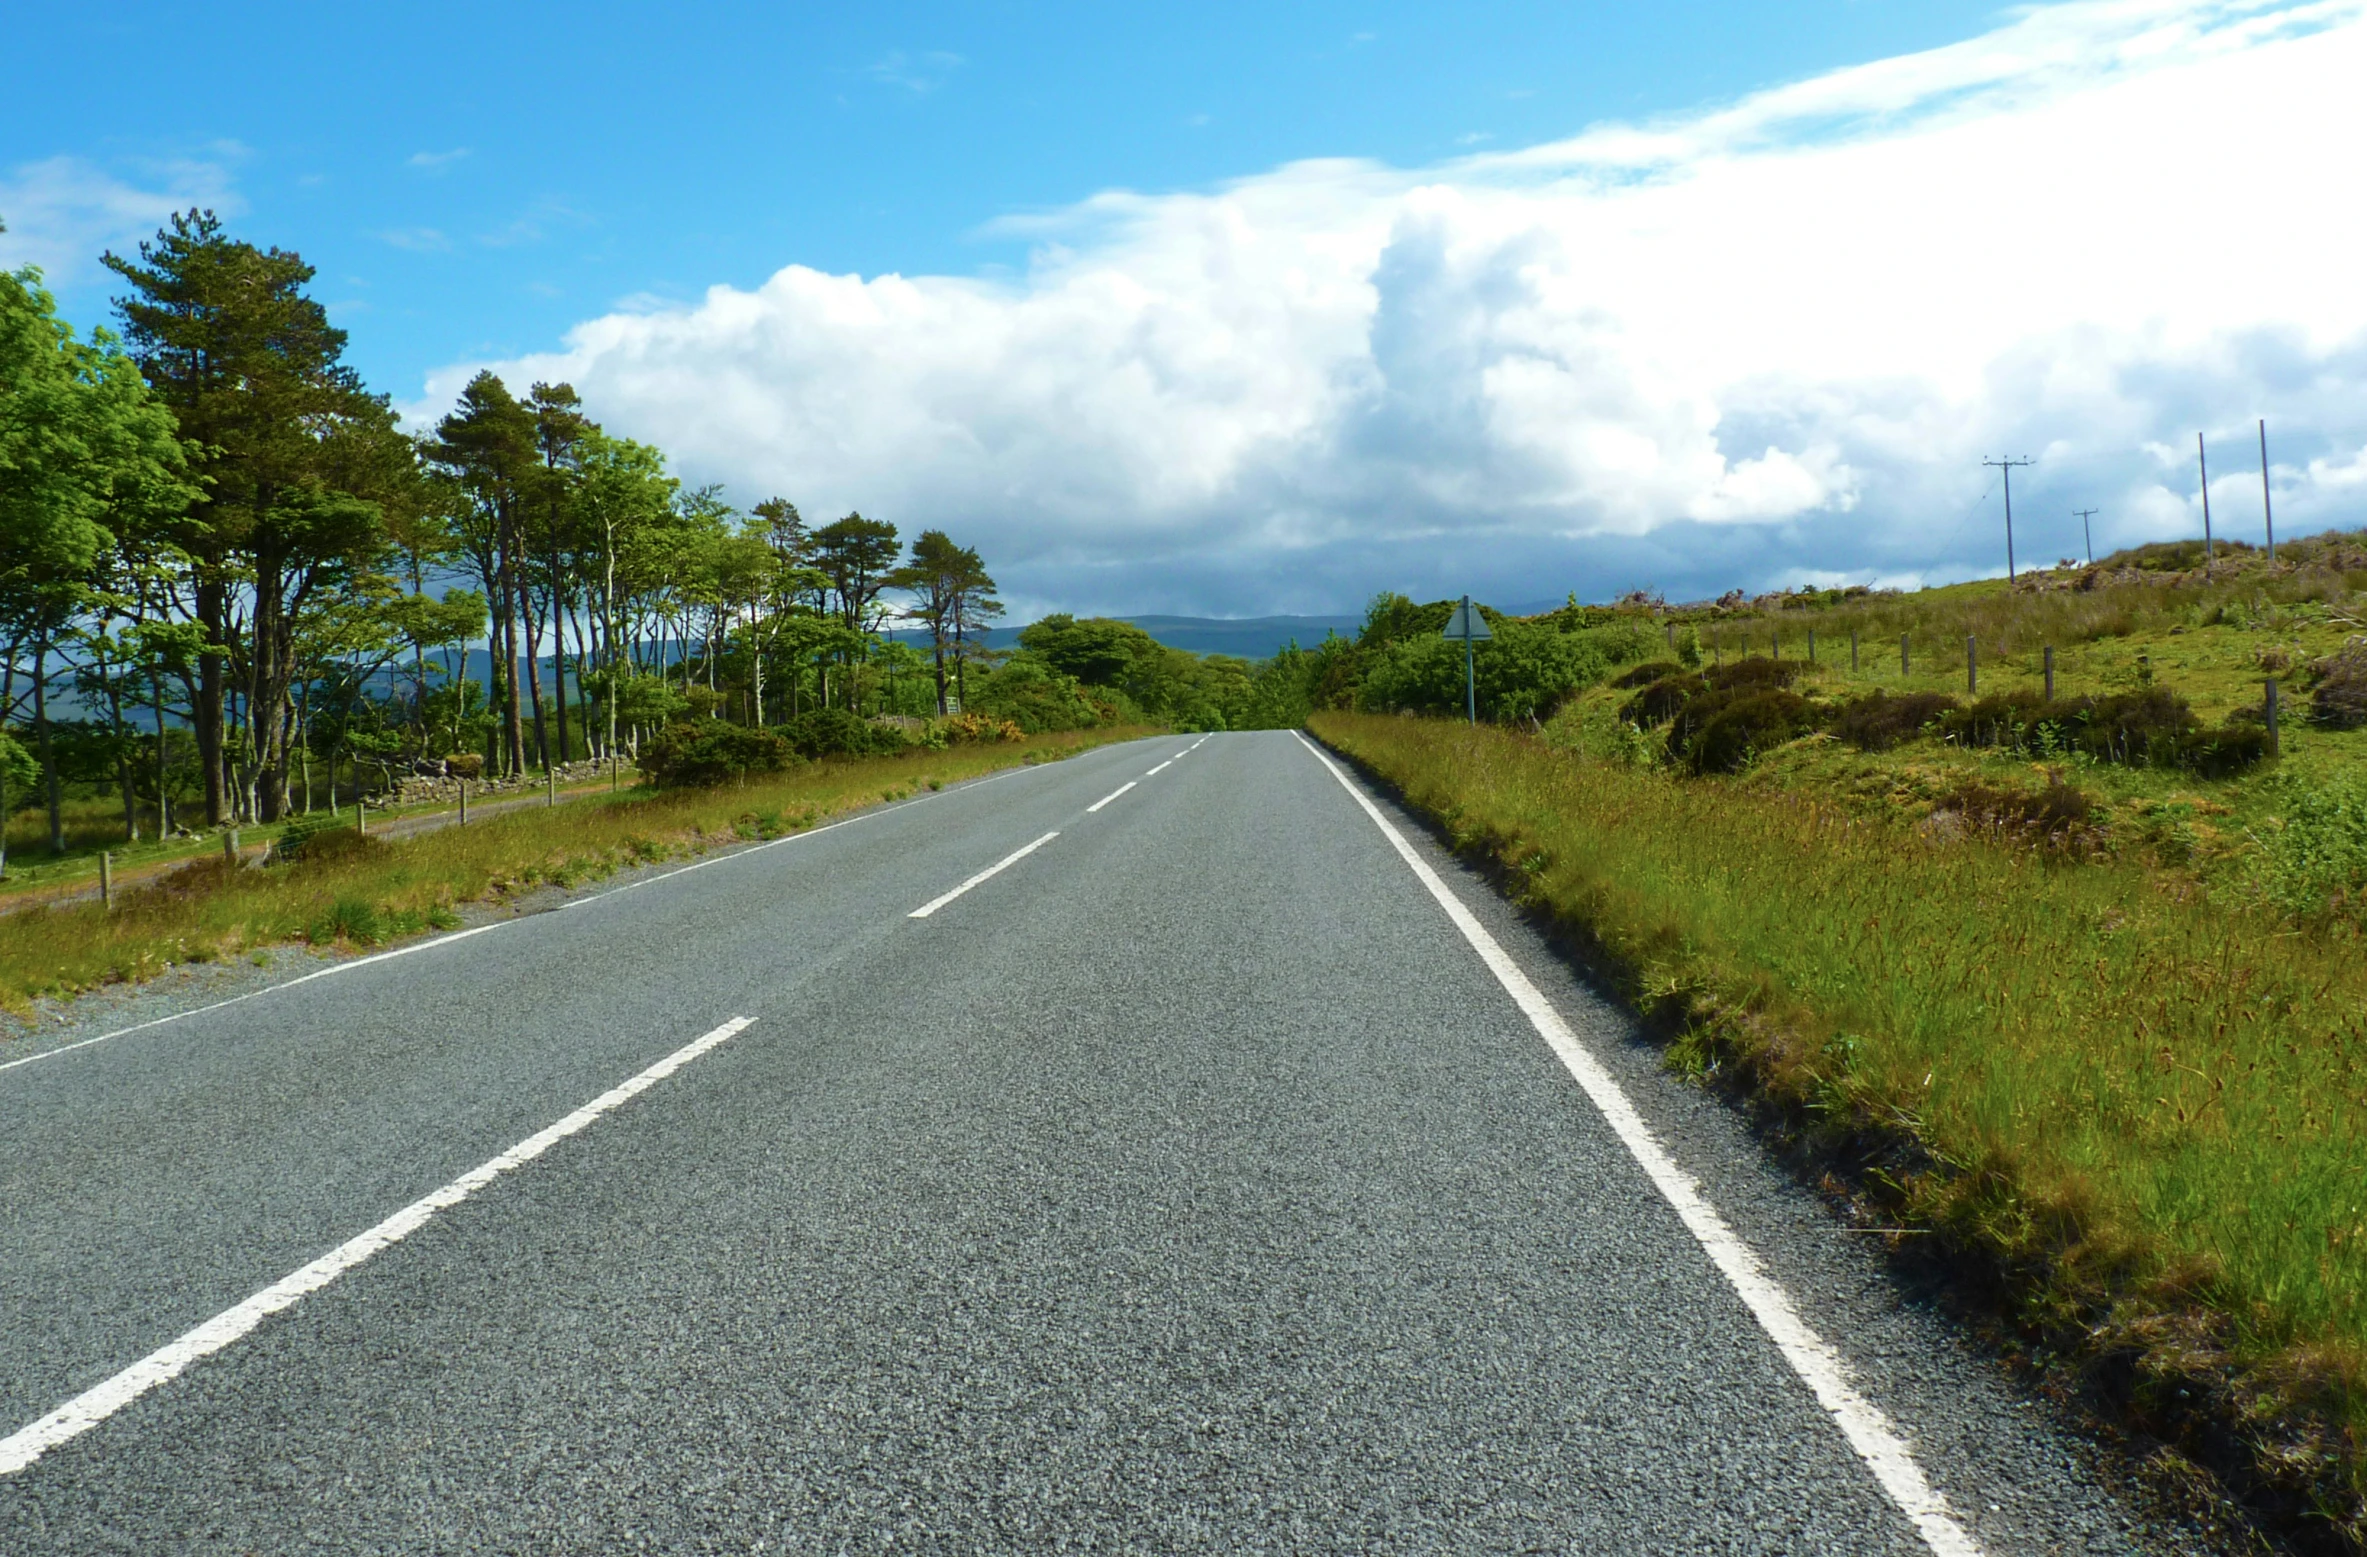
(1467, 624)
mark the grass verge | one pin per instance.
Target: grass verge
(2132, 1115)
(365, 891)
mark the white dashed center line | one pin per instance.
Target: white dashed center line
(1003, 864)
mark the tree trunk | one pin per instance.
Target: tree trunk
(49, 766)
(559, 670)
(212, 599)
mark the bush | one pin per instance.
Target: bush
(977, 730)
(1524, 672)
(465, 765)
(2054, 814)
(2224, 752)
(317, 840)
(2135, 728)
(2340, 701)
(1878, 721)
(1034, 695)
(1645, 675)
(710, 751)
(834, 732)
(1755, 673)
(1732, 726)
(1660, 701)
(2017, 721)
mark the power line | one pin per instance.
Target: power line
(2008, 465)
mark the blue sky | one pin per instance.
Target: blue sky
(473, 179)
(1236, 310)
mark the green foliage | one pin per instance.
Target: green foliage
(2314, 858)
(20, 776)
(1522, 673)
(1689, 646)
(709, 752)
(352, 919)
(834, 732)
(1034, 695)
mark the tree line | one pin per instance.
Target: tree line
(225, 552)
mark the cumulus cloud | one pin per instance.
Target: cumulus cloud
(1764, 342)
(62, 212)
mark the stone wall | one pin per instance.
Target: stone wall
(416, 789)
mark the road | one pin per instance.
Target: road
(1202, 1178)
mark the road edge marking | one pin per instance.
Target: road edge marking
(1879, 1444)
(94, 1405)
(997, 868)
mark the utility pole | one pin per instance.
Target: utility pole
(2084, 515)
(2268, 516)
(2008, 466)
(2203, 463)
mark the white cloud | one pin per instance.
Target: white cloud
(63, 212)
(437, 161)
(1770, 340)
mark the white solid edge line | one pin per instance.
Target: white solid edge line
(1003, 864)
(1112, 795)
(93, 1406)
(320, 973)
(1880, 1445)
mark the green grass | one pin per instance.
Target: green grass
(2145, 1101)
(364, 891)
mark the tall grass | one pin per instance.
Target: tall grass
(361, 891)
(2021, 621)
(2149, 1103)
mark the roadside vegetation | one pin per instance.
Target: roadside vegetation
(236, 592)
(327, 885)
(2070, 990)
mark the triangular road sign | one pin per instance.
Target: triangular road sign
(1466, 622)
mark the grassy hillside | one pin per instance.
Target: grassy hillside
(2089, 1012)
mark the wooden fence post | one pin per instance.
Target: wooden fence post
(2275, 743)
(2050, 672)
(1903, 654)
(107, 881)
(1972, 669)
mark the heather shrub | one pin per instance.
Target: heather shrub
(2054, 815)
(2145, 726)
(711, 752)
(2340, 698)
(1878, 721)
(2018, 721)
(1645, 675)
(1755, 673)
(1658, 702)
(1736, 724)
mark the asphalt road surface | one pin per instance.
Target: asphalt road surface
(1205, 1178)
